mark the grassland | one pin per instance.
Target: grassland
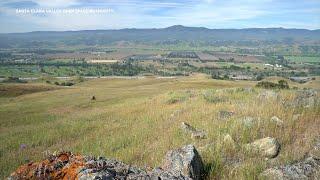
(137, 121)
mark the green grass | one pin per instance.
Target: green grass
(299, 59)
(131, 120)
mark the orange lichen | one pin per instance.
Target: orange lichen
(62, 166)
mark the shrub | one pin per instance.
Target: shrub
(67, 84)
(282, 84)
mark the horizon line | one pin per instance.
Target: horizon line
(167, 27)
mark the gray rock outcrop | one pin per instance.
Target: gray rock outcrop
(180, 164)
(307, 168)
(184, 161)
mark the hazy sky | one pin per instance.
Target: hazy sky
(157, 14)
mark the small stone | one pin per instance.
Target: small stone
(187, 127)
(276, 120)
(196, 134)
(225, 114)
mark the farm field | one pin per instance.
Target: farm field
(303, 59)
(138, 120)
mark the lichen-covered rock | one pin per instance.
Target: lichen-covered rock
(65, 165)
(159, 173)
(309, 168)
(267, 147)
(185, 161)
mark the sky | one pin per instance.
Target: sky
(61, 15)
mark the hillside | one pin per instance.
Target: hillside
(138, 120)
(170, 35)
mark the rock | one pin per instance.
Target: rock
(309, 168)
(196, 134)
(159, 173)
(315, 151)
(277, 121)
(187, 127)
(225, 114)
(66, 165)
(185, 161)
(306, 98)
(267, 147)
(268, 94)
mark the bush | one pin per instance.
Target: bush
(67, 84)
(282, 84)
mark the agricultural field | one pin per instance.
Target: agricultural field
(138, 120)
(303, 59)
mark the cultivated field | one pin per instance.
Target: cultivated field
(138, 120)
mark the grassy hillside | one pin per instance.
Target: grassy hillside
(138, 120)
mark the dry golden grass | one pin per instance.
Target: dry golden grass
(138, 121)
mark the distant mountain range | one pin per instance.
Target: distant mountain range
(169, 35)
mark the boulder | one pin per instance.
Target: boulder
(267, 147)
(185, 161)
